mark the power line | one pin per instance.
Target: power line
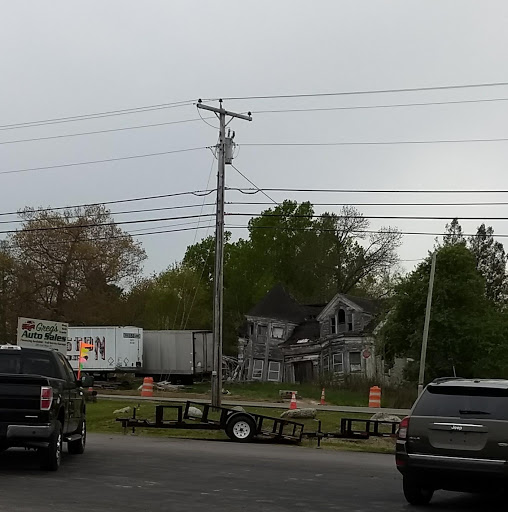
(95, 224)
(93, 162)
(143, 210)
(390, 105)
(125, 234)
(371, 91)
(252, 183)
(197, 193)
(371, 143)
(96, 115)
(251, 191)
(327, 216)
(137, 127)
(486, 203)
(363, 231)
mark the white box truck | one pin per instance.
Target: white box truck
(177, 356)
(116, 349)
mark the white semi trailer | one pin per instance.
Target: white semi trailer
(116, 348)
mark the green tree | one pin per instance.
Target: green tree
(491, 263)
(458, 337)
(177, 298)
(453, 233)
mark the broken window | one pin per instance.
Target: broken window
(342, 320)
(333, 325)
(338, 363)
(274, 371)
(355, 362)
(257, 369)
(262, 330)
(277, 332)
(349, 321)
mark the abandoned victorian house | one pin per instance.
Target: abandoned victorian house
(283, 340)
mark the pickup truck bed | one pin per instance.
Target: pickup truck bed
(41, 403)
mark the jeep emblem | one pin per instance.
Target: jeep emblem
(456, 427)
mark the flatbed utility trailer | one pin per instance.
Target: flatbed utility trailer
(239, 426)
(370, 428)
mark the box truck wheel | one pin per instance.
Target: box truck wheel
(241, 427)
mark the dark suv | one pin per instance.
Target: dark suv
(41, 403)
(456, 438)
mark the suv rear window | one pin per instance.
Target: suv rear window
(30, 363)
(463, 402)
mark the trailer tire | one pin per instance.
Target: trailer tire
(241, 427)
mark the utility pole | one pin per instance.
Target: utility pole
(423, 356)
(225, 156)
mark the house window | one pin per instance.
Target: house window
(274, 371)
(338, 363)
(355, 362)
(350, 321)
(262, 330)
(342, 320)
(278, 332)
(257, 369)
(326, 364)
(333, 325)
(251, 329)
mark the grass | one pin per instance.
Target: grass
(101, 419)
(355, 395)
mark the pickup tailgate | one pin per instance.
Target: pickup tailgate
(20, 398)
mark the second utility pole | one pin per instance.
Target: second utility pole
(423, 357)
(218, 284)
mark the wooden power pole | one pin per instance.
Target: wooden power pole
(225, 156)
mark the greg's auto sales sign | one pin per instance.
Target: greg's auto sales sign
(42, 333)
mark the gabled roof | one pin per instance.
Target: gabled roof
(368, 306)
(280, 305)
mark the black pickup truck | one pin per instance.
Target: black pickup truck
(41, 403)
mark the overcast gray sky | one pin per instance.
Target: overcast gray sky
(67, 58)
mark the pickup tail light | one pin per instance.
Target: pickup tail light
(403, 427)
(46, 398)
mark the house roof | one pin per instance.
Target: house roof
(368, 305)
(308, 330)
(278, 303)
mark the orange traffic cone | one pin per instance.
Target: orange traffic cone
(323, 397)
(292, 405)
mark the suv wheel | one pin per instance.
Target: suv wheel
(414, 493)
(52, 455)
(78, 447)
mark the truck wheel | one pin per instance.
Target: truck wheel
(52, 455)
(414, 493)
(241, 428)
(78, 447)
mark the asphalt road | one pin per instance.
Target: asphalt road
(125, 473)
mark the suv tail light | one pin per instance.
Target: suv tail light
(403, 427)
(46, 398)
